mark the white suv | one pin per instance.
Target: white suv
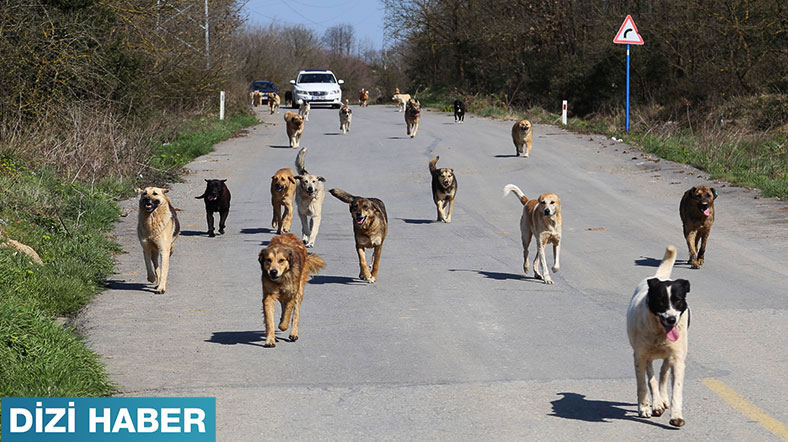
(317, 86)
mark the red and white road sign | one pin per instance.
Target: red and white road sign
(628, 34)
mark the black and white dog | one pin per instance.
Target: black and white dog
(657, 322)
(217, 199)
(459, 111)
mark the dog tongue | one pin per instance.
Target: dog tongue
(672, 334)
(707, 212)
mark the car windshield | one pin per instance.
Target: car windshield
(263, 84)
(316, 78)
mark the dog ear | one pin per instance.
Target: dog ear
(290, 258)
(165, 190)
(260, 257)
(292, 179)
(199, 197)
(299, 177)
(321, 179)
(684, 284)
(273, 177)
(207, 180)
(452, 171)
(653, 283)
(714, 192)
(224, 181)
(692, 191)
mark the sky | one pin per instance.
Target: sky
(366, 16)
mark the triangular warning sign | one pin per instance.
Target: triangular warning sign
(628, 34)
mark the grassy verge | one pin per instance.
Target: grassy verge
(750, 158)
(67, 225)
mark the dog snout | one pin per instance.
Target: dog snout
(310, 189)
(359, 214)
(670, 320)
(273, 273)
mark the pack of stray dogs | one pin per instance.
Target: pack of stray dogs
(658, 317)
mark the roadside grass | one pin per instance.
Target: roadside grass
(754, 158)
(68, 225)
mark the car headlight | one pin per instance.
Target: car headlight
(299, 91)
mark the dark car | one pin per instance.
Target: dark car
(264, 87)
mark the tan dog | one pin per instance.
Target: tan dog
(697, 215)
(257, 98)
(304, 109)
(444, 189)
(370, 226)
(273, 102)
(295, 128)
(522, 133)
(363, 98)
(658, 320)
(157, 229)
(401, 100)
(286, 268)
(541, 220)
(412, 117)
(345, 117)
(310, 194)
(283, 186)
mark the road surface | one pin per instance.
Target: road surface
(453, 341)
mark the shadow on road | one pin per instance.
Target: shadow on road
(398, 138)
(279, 147)
(645, 261)
(417, 221)
(257, 230)
(242, 337)
(575, 406)
(498, 275)
(506, 156)
(193, 233)
(115, 284)
(332, 133)
(323, 279)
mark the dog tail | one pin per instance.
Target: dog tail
(663, 272)
(342, 195)
(516, 190)
(433, 162)
(314, 263)
(300, 162)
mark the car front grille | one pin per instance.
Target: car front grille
(317, 93)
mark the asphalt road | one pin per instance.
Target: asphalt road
(453, 341)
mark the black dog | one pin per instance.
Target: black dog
(217, 199)
(459, 111)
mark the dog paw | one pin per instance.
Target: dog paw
(660, 408)
(677, 422)
(221, 231)
(269, 344)
(525, 156)
(151, 278)
(293, 338)
(159, 290)
(211, 234)
(309, 245)
(548, 281)
(371, 279)
(694, 264)
(644, 412)
(555, 269)
(700, 261)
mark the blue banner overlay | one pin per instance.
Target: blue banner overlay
(108, 419)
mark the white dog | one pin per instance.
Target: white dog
(658, 319)
(310, 194)
(401, 100)
(345, 117)
(304, 110)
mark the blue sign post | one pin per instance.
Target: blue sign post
(628, 35)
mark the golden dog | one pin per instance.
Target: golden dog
(363, 98)
(257, 98)
(697, 215)
(295, 128)
(283, 186)
(412, 117)
(401, 100)
(522, 133)
(370, 226)
(541, 219)
(273, 102)
(444, 189)
(345, 117)
(286, 268)
(157, 229)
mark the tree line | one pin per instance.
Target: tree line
(539, 52)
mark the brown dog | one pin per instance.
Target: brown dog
(541, 219)
(697, 216)
(257, 98)
(283, 187)
(286, 268)
(444, 189)
(295, 128)
(412, 116)
(522, 133)
(273, 102)
(157, 229)
(370, 226)
(363, 98)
